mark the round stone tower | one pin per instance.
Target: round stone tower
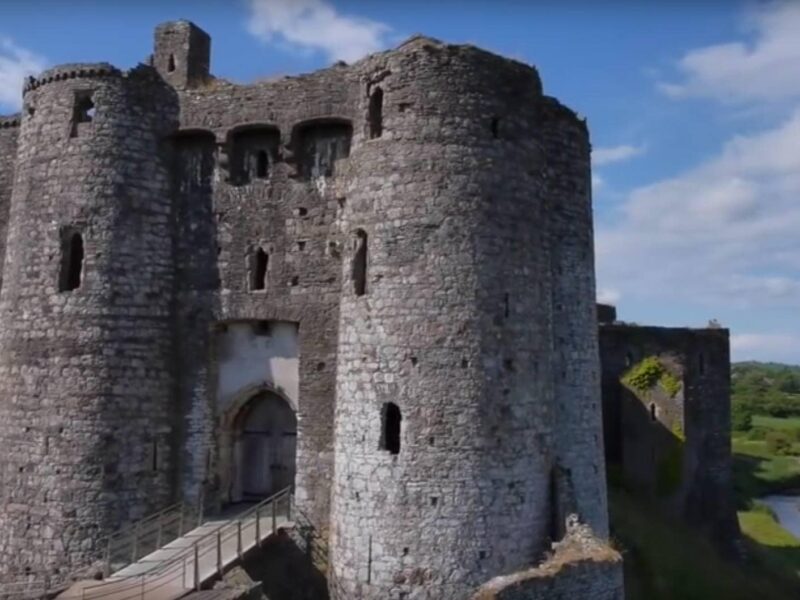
(447, 462)
(85, 334)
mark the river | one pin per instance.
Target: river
(787, 509)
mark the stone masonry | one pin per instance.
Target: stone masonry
(399, 251)
(672, 444)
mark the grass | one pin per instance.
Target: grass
(666, 560)
(773, 546)
(757, 472)
(786, 424)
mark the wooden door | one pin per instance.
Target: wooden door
(269, 447)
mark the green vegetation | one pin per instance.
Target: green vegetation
(649, 372)
(763, 389)
(665, 560)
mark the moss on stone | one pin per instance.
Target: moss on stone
(649, 372)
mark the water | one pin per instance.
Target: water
(787, 509)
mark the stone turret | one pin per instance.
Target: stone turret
(182, 53)
(85, 327)
(450, 467)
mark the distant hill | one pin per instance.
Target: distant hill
(766, 388)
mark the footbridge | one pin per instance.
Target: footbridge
(175, 564)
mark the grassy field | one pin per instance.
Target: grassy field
(757, 472)
(774, 546)
(665, 560)
(786, 424)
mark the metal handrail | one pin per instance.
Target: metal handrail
(133, 534)
(179, 561)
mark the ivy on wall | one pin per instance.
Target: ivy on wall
(648, 373)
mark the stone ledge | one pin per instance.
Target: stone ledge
(580, 566)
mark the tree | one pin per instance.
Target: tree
(741, 416)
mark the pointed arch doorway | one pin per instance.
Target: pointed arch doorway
(265, 447)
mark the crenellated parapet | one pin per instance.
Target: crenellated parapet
(71, 71)
(7, 122)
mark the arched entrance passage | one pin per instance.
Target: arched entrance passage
(265, 434)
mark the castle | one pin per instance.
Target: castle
(666, 413)
(374, 282)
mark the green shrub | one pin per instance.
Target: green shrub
(648, 373)
(779, 442)
(741, 416)
(758, 433)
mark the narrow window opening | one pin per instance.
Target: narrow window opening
(653, 409)
(83, 112)
(171, 63)
(506, 305)
(495, 127)
(262, 164)
(84, 109)
(154, 465)
(359, 274)
(701, 363)
(376, 113)
(71, 262)
(258, 277)
(556, 526)
(628, 359)
(390, 436)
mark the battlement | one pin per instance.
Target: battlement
(71, 71)
(9, 121)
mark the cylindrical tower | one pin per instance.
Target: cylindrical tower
(85, 332)
(579, 478)
(445, 420)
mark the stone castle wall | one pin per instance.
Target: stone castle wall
(580, 566)
(449, 330)
(9, 130)
(676, 446)
(422, 221)
(86, 374)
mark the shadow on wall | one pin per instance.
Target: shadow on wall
(653, 452)
(285, 571)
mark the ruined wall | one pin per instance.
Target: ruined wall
(580, 567)
(9, 129)
(674, 444)
(85, 372)
(453, 329)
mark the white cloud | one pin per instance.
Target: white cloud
(765, 347)
(613, 154)
(15, 64)
(762, 70)
(723, 233)
(608, 296)
(316, 25)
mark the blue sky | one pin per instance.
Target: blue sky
(693, 108)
